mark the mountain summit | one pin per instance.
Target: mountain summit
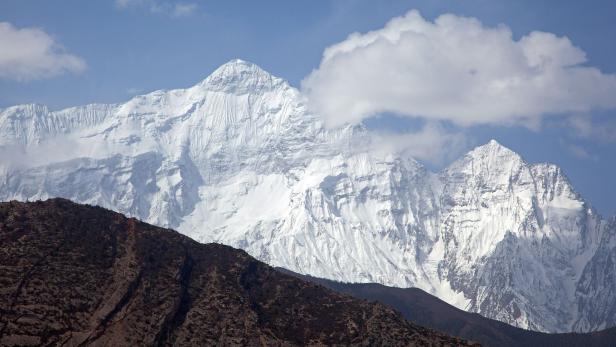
(493, 149)
(241, 76)
(238, 159)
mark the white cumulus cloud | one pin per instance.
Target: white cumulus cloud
(31, 53)
(455, 69)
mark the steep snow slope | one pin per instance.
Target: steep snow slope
(516, 237)
(238, 159)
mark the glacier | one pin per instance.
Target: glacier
(239, 159)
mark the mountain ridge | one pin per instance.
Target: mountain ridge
(82, 275)
(422, 308)
(252, 167)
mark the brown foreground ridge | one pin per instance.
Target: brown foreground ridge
(427, 310)
(81, 275)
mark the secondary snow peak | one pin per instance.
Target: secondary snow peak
(492, 148)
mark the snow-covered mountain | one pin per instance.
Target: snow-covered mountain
(238, 159)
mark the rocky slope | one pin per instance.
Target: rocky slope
(81, 275)
(238, 159)
(424, 309)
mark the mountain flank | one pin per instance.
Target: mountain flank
(77, 275)
(427, 310)
(490, 233)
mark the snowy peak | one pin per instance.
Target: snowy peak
(241, 76)
(233, 80)
(490, 233)
(238, 102)
(493, 150)
(237, 77)
(489, 165)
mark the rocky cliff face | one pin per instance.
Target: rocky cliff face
(238, 159)
(596, 305)
(80, 275)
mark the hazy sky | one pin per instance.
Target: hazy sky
(65, 53)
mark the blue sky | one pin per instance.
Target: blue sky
(135, 46)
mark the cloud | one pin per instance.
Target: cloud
(580, 153)
(30, 53)
(49, 151)
(432, 143)
(181, 10)
(171, 9)
(127, 3)
(455, 69)
(133, 91)
(602, 130)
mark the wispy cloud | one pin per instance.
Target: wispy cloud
(432, 143)
(455, 69)
(133, 91)
(603, 130)
(30, 53)
(580, 152)
(170, 8)
(181, 10)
